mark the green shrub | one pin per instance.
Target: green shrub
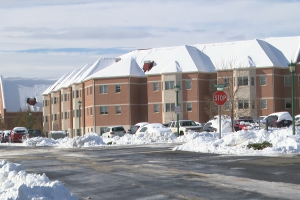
(259, 146)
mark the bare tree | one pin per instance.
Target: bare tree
(238, 79)
(210, 108)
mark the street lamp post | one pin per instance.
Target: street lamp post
(30, 119)
(292, 67)
(177, 90)
(79, 114)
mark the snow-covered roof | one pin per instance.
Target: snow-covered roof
(125, 67)
(15, 92)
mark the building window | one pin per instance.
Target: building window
(103, 89)
(77, 113)
(226, 82)
(87, 111)
(55, 117)
(91, 90)
(263, 104)
(78, 133)
(263, 80)
(118, 110)
(288, 103)
(103, 110)
(155, 86)
(227, 105)
(287, 80)
(242, 80)
(46, 102)
(80, 92)
(118, 88)
(102, 130)
(87, 91)
(253, 104)
(62, 115)
(169, 85)
(188, 107)
(212, 85)
(91, 111)
(54, 98)
(170, 107)
(243, 104)
(77, 93)
(188, 84)
(46, 118)
(252, 81)
(73, 96)
(156, 108)
(66, 115)
(179, 84)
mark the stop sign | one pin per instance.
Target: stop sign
(220, 98)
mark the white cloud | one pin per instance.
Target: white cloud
(35, 24)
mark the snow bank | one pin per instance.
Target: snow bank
(15, 183)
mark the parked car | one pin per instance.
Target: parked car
(33, 133)
(209, 128)
(242, 124)
(113, 131)
(154, 128)
(4, 136)
(260, 118)
(57, 134)
(279, 119)
(16, 134)
(185, 126)
(135, 127)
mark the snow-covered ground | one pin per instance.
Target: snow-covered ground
(16, 183)
(14, 180)
(283, 141)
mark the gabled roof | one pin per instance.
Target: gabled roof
(125, 67)
(66, 81)
(49, 89)
(15, 92)
(97, 66)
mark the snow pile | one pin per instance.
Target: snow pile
(91, 139)
(147, 138)
(17, 184)
(282, 141)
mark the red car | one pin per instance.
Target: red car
(242, 124)
(16, 134)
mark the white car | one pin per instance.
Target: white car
(113, 131)
(154, 128)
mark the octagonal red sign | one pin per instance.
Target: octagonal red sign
(220, 97)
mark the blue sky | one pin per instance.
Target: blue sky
(53, 37)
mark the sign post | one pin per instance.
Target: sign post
(220, 98)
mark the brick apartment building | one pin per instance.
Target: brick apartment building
(139, 86)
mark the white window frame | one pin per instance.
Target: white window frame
(155, 86)
(103, 110)
(118, 110)
(156, 108)
(188, 84)
(169, 107)
(118, 88)
(286, 78)
(287, 101)
(243, 79)
(263, 80)
(189, 107)
(263, 104)
(103, 89)
(169, 85)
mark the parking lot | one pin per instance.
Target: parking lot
(156, 172)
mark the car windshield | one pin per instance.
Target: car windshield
(118, 129)
(249, 121)
(134, 128)
(20, 131)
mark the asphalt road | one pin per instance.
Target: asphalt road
(155, 172)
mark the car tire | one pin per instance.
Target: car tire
(181, 133)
